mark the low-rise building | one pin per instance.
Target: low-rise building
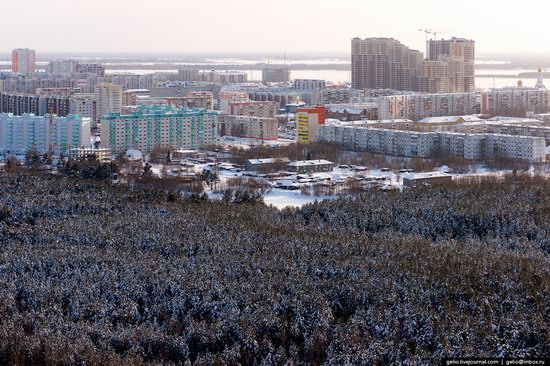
(266, 165)
(310, 166)
(102, 155)
(420, 179)
(182, 154)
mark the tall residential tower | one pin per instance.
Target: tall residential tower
(23, 61)
(383, 63)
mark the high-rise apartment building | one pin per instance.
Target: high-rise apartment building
(461, 53)
(38, 105)
(276, 74)
(59, 135)
(383, 63)
(84, 105)
(515, 101)
(188, 74)
(419, 106)
(228, 97)
(458, 47)
(254, 109)
(307, 120)
(108, 98)
(432, 77)
(193, 99)
(90, 68)
(61, 67)
(23, 61)
(224, 77)
(159, 127)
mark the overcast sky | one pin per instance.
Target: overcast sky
(177, 26)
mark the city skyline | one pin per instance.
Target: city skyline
(129, 27)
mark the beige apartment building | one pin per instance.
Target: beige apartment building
(108, 98)
(249, 127)
(385, 63)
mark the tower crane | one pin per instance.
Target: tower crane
(433, 32)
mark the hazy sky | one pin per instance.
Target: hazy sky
(259, 25)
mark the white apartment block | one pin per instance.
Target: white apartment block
(249, 127)
(515, 101)
(342, 96)
(19, 134)
(419, 106)
(159, 127)
(427, 144)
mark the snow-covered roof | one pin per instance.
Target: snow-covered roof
(134, 155)
(514, 119)
(310, 162)
(266, 161)
(450, 119)
(138, 91)
(345, 110)
(425, 175)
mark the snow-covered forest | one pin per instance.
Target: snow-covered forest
(97, 274)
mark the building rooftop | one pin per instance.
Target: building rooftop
(425, 175)
(267, 161)
(513, 119)
(450, 119)
(310, 163)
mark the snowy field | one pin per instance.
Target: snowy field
(282, 198)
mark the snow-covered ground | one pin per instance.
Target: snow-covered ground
(281, 198)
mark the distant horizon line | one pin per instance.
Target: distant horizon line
(282, 54)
